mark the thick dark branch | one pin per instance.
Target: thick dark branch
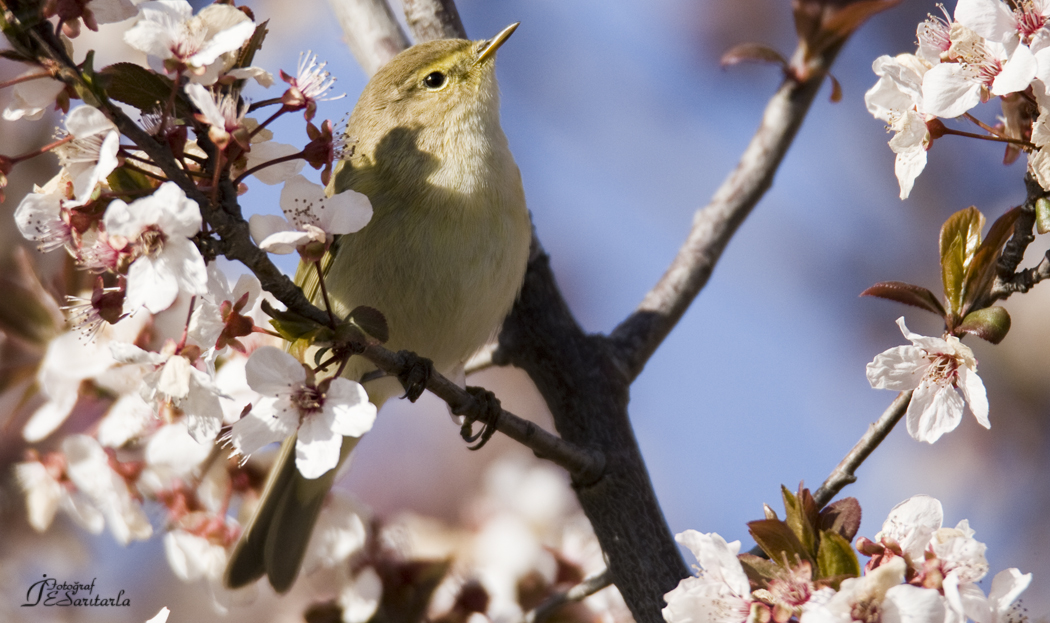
(844, 472)
(582, 464)
(1008, 282)
(587, 392)
(639, 335)
(372, 33)
(433, 19)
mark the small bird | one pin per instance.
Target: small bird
(443, 257)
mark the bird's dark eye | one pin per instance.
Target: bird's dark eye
(434, 80)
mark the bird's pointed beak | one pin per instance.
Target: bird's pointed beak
(493, 44)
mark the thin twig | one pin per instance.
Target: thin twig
(584, 465)
(589, 586)
(843, 474)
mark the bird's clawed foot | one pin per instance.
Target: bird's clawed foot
(485, 408)
(416, 373)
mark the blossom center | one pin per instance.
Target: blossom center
(943, 370)
(309, 400)
(152, 241)
(866, 611)
(935, 32)
(1029, 20)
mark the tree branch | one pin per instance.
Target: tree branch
(589, 586)
(372, 33)
(433, 19)
(843, 474)
(638, 337)
(582, 464)
(1008, 282)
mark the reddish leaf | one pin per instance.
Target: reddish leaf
(842, 517)
(906, 293)
(836, 89)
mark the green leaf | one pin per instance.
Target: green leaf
(1042, 215)
(144, 89)
(778, 541)
(801, 515)
(836, 557)
(982, 268)
(841, 517)
(371, 321)
(990, 323)
(916, 296)
(291, 325)
(960, 237)
(123, 179)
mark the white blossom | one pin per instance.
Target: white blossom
(92, 154)
(911, 524)
(160, 226)
(173, 378)
(31, 98)
(720, 594)
(934, 368)
(897, 99)
(321, 416)
(979, 68)
(311, 217)
(359, 599)
(46, 494)
(90, 471)
(175, 39)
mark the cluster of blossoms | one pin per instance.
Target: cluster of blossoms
(919, 571)
(986, 49)
(164, 363)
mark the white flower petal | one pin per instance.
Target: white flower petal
(1007, 586)
(910, 604)
(226, 41)
(277, 173)
(934, 409)
(912, 524)
(972, 389)
(900, 368)
(317, 448)
(345, 212)
(353, 413)
(151, 284)
(271, 371)
(990, 19)
(718, 559)
(1018, 72)
(262, 426)
(948, 92)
